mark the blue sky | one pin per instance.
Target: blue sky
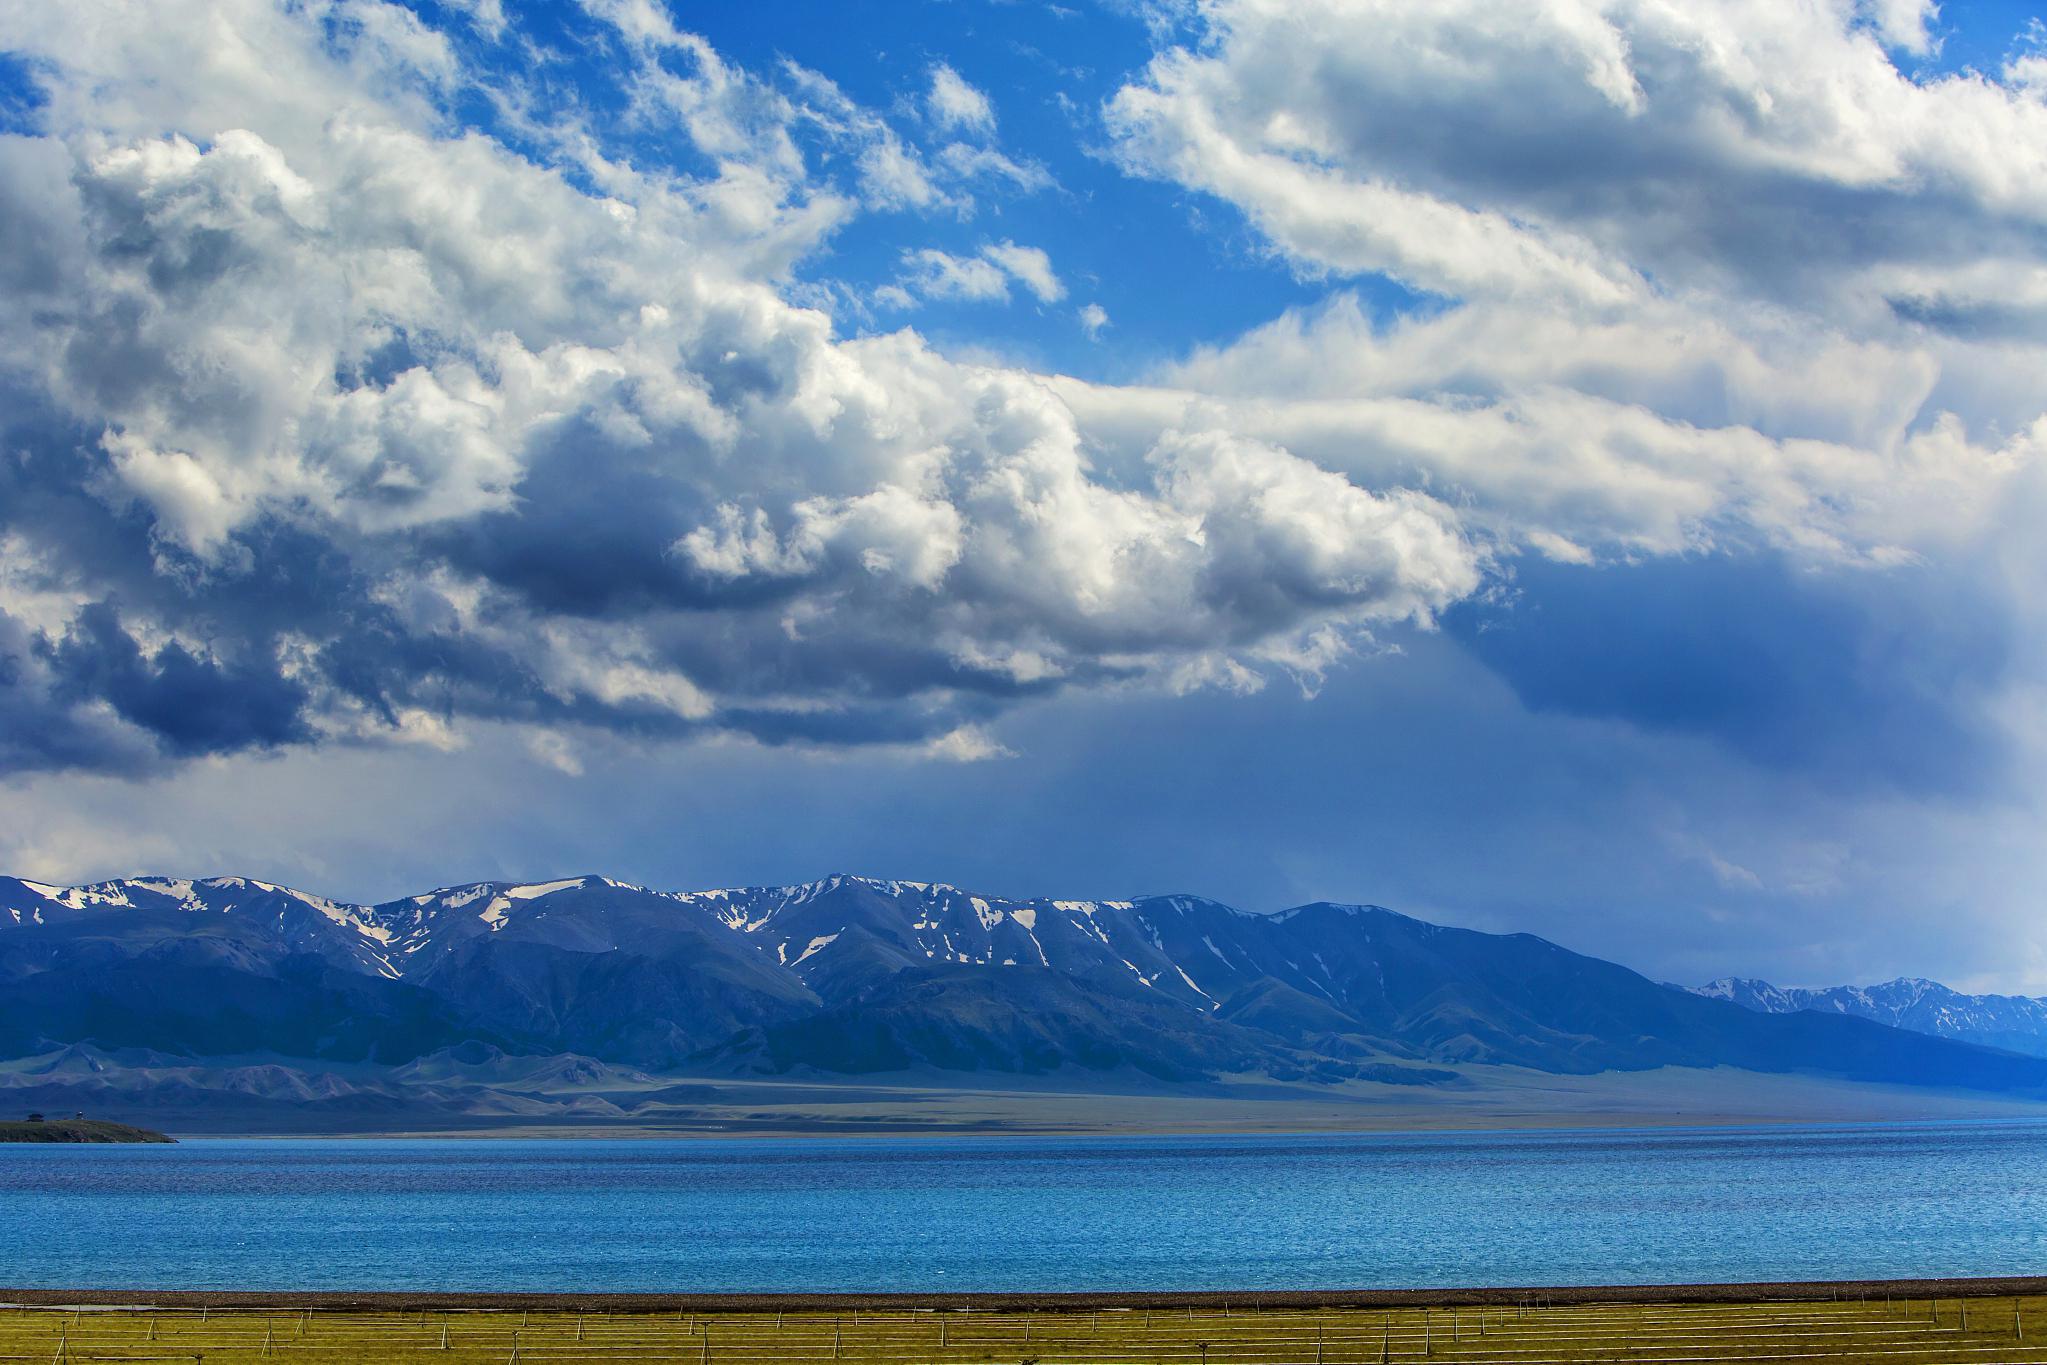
(1045, 72)
(1576, 475)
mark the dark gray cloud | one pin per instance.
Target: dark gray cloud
(1858, 678)
(191, 705)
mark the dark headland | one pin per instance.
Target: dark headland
(76, 1130)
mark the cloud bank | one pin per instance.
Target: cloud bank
(335, 422)
(335, 418)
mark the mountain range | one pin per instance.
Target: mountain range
(2017, 1023)
(237, 985)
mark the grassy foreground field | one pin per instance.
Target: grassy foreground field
(1898, 1331)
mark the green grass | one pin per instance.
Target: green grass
(1897, 1333)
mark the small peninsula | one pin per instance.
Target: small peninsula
(39, 1129)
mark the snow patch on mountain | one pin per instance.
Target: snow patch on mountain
(820, 942)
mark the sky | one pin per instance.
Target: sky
(1572, 467)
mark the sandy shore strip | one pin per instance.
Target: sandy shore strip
(1801, 1291)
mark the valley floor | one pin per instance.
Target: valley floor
(1901, 1323)
(568, 1095)
(1494, 1098)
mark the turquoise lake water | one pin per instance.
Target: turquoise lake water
(1031, 1213)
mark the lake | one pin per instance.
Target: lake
(1031, 1213)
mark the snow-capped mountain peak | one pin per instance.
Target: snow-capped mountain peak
(849, 973)
(2014, 1022)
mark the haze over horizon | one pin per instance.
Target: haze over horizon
(1230, 447)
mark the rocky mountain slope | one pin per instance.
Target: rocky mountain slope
(2017, 1023)
(856, 976)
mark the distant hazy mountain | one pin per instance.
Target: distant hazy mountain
(853, 976)
(2014, 1022)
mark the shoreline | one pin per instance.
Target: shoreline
(1489, 1126)
(1074, 1301)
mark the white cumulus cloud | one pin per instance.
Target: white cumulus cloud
(344, 420)
(929, 273)
(955, 105)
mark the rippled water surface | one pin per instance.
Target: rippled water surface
(1031, 1213)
